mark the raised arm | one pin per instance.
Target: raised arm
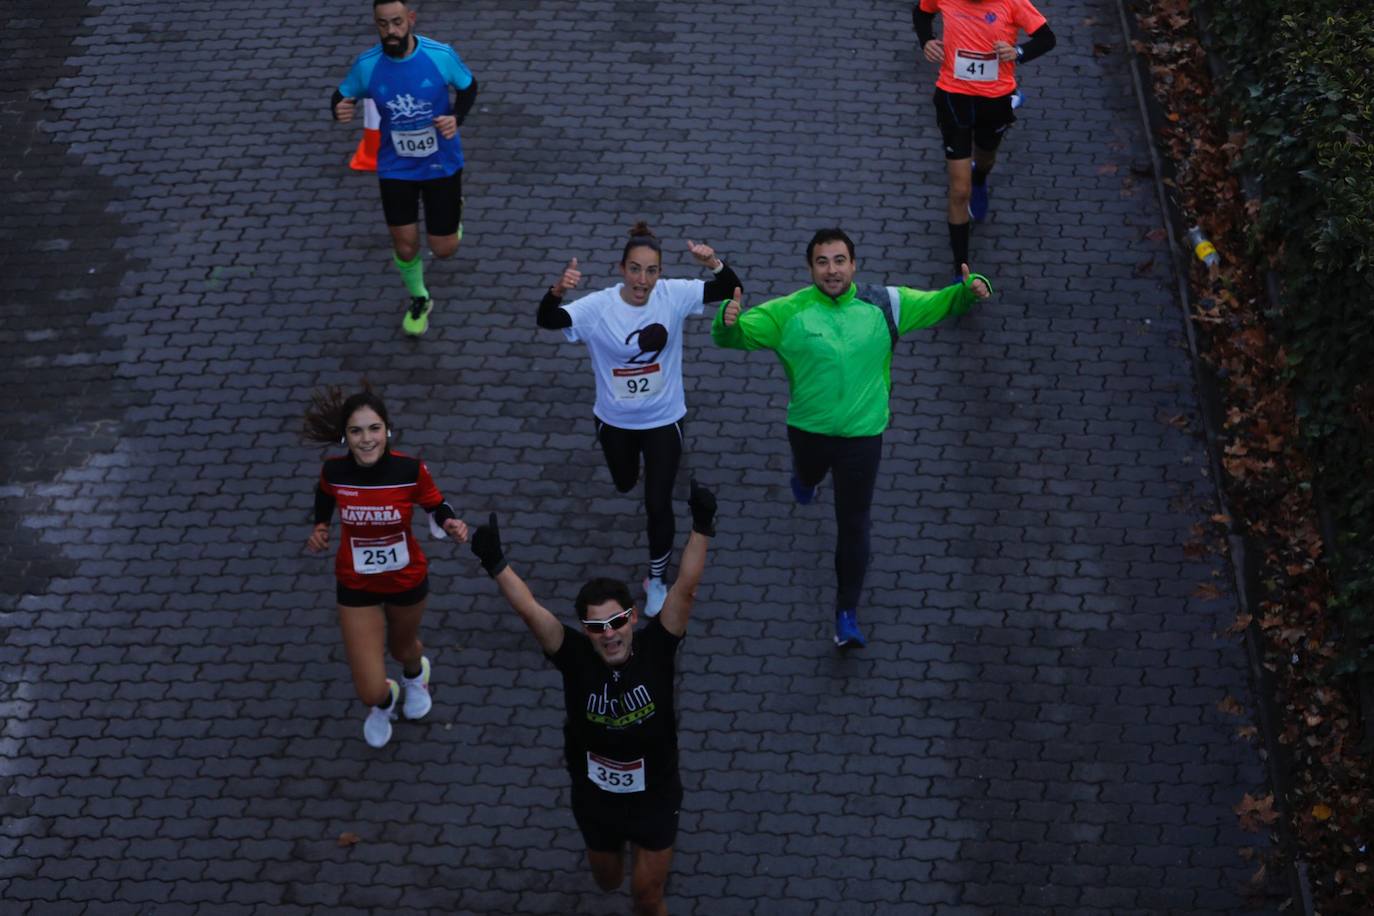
(677, 607)
(923, 308)
(719, 287)
(758, 328)
(551, 314)
(486, 545)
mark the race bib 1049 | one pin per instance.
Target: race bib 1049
(616, 775)
(415, 144)
(379, 555)
(630, 382)
(976, 66)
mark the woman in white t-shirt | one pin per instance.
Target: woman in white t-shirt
(633, 332)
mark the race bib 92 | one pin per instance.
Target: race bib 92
(631, 382)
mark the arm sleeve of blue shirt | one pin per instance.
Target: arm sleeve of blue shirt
(354, 85)
(452, 67)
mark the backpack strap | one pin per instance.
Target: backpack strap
(887, 301)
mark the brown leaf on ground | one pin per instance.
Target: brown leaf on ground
(348, 839)
(1231, 706)
(1157, 235)
(1256, 811)
(1207, 591)
(1241, 622)
(1103, 48)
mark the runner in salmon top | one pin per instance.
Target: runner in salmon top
(382, 574)
(978, 57)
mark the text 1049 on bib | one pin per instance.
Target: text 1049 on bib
(415, 144)
(976, 66)
(379, 555)
(616, 776)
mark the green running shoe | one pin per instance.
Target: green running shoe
(416, 321)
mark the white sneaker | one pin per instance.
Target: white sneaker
(418, 702)
(655, 593)
(377, 728)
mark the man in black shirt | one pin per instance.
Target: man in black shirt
(620, 737)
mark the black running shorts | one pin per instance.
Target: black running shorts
(443, 203)
(608, 821)
(352, 597)
(969, 121)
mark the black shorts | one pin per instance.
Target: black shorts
(443, 202)
(969, 121)
(609, 821)
(352, 597)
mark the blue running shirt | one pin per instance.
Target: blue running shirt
(410, 93)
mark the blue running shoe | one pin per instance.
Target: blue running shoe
(1017, 99)
(978, 202)
(801, 493)
(847, 635)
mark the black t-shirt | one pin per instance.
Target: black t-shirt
(621, 715)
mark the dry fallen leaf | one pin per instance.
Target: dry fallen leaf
(1321, 812)
(1207, 591)
(348, 839)
(1231, 706)
(1255, 811)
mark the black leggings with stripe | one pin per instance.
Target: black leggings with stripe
(662, 451)
(853, 466)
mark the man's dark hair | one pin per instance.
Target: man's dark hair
(377, 3)
(829, 235)
(602, 589)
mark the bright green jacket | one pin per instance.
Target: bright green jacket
(837, 352)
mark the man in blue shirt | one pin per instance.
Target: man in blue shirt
(408, 77)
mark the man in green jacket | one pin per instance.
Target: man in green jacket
(835, 341)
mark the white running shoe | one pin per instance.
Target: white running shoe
(377, 728)
(418, 701)
(655, 593)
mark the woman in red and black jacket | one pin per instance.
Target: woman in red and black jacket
(381, 571)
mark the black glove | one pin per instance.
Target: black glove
(486, 546)
(702, 502)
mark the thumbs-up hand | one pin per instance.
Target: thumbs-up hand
(732, 309)
(980, 289)
(704, 254)
(571, 277)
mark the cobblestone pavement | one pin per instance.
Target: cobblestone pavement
(1034, 727)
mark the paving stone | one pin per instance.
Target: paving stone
(1032, 729)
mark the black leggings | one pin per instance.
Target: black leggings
(662, 450)
(853, 466)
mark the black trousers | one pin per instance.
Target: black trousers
(662, 451)
(852, 463)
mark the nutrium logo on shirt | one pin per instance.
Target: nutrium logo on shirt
(620, 711)
(371, 515)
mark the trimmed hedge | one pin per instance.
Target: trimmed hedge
(1302, 78)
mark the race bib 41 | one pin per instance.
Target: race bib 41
(976, 66)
